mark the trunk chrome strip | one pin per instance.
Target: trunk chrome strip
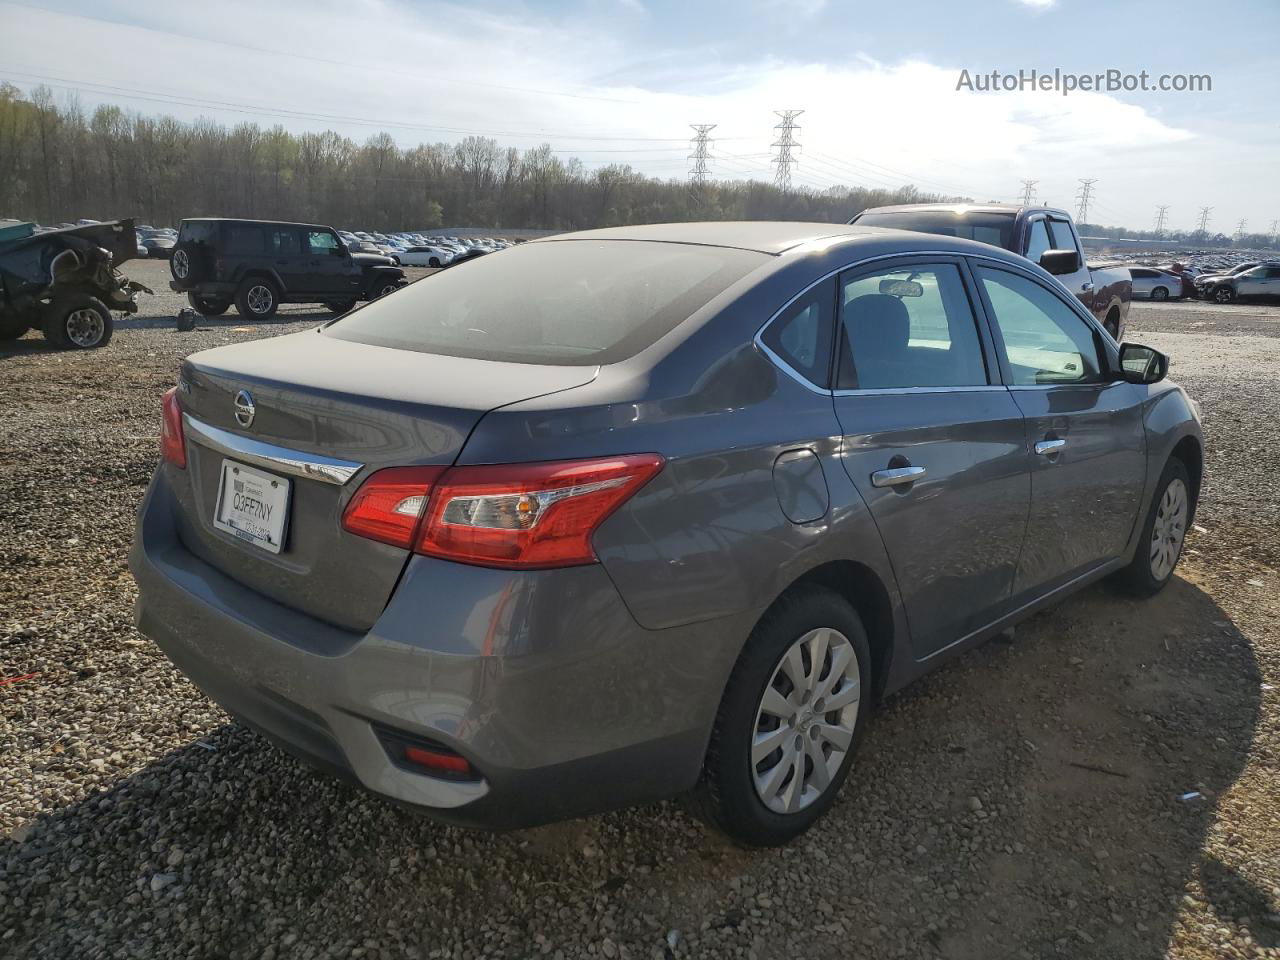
(259, 453)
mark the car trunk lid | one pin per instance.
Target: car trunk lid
(316, 401)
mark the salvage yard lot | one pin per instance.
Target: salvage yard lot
(1025, 801)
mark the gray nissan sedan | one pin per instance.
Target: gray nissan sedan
(630, 513)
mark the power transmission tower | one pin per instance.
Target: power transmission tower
(1161, 213)
(1203, 229)
(1275, 231)
(1028, 191)
(1086, 191)
(1240, 230)
(785, 143)
(701, 146)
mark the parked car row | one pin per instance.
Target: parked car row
(412, 249)
(1252, 278)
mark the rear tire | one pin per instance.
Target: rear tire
(381, 288)
(206, 307)
(435, 262)
(340, 306)
(257, 299)
(1163, 533)
(77, 321)
(737, 775)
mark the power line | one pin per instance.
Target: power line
(1162, 213)
(1086, 190)
(1028, 191)
(786, 141)
(701, 153)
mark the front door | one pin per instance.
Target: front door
(1084, 430)
(1259, 282)
(330, 271)
(934, 444)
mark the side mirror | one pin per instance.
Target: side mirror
(1059, 262)
(1139, 364)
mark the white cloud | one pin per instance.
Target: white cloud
(439, 71)
(1037, 4)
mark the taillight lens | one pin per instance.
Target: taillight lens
(529, 515)
(172, 444)
(388, 505)
(523, 515)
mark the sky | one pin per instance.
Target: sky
(619, 81)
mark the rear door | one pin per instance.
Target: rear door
(284, 249)
(1084, 430)
(933, 442)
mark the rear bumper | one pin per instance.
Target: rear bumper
(545, 683)
(206, 288)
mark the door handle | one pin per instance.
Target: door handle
(1050, 448)
(896, 476)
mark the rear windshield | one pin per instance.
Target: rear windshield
(575, 302)
(194, 231)
(993, 228)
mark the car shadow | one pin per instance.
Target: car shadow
(1029, 799)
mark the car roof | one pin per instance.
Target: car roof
(269, 223)
(962, 208)
(790, 238)
(762, 236)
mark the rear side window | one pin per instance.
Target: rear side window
(283, 241)
(801, 335)
(908, 327)
(575, 302)
(993, 228)
(244, 239)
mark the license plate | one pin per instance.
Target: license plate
(252, 505)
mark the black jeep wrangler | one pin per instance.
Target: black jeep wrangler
(260, 264)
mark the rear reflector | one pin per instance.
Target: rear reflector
(514, 516)
(435, 761)
(388, 505)
(172, 444)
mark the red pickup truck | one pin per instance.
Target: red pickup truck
(1043, 235)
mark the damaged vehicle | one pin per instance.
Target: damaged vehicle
(66, 283)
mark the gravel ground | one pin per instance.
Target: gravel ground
(1024, 801)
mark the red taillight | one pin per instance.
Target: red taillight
(388, 505)
(521, 515)
(172, 445)
(529, 514)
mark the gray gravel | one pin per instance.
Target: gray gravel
(1022, 802)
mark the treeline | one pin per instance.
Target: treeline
(59, 162)
(1208, 238)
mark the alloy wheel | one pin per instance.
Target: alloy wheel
(181, 264)
(805, 721)
(259, 298)
(1169, 529)
(84, 327)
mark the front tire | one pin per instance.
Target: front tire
(435, 262)
(11, 328)
(1224, 294)
(77, 321)
(1159, 293)
(383, 287)
(1163, 534)
(790, 721)
(340, 306)
(257, 299)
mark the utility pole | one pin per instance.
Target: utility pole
(1086, 191)
(1161, 213)
(1203, 229)
(785, 143)
(1240, 230)
(701, 146)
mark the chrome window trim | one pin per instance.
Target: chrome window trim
(1072, 303)
(890, 391)
(313, 466)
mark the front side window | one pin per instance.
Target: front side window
(1064, 235)
(908, 327)
(802, 336)
(321, 242)
(1038, 242)
(1045, 341)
